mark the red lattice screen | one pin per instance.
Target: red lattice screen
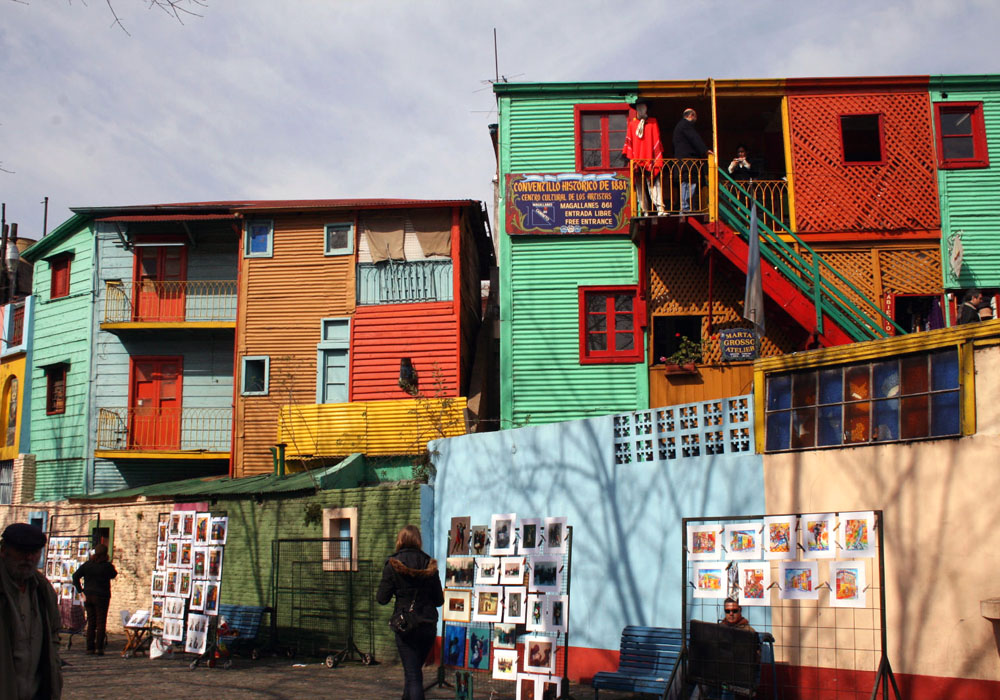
(832, 196)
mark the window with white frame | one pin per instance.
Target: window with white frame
(340, 528)
(254, 378)
(332, 368)
(258, 238)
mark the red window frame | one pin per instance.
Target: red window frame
(59, 282)
(55, 389)
(881, 138)
(605, 110)
(980, 148)
(610, 355)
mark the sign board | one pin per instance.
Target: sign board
(738, 344)
(567, 203)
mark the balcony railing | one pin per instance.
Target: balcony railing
(164, 429)
(682, 183)
(188, 301)
(772, 194)
(404, 282)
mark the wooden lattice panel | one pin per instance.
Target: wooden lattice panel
(833, 196)
(857, 268)
(678, 286)
(911, 271)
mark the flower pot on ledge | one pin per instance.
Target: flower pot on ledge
(688, 368)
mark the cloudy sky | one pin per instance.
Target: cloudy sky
(260, 99)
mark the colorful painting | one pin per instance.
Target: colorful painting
(505, 664)
(479, 540)
(512, 571)
(487, 570)
(459, 571)
(187, 525)
(479, 649)
(549, 688)
(201, 526)
(703, 542)
(515, 604)
(545, 574)
(198, 595)
(199, 558)
(211, 598)
(779, 541)
(557, 613)
(531, 536)
(453, 646)
(535, 613)
(502, 534)
(847, 584)
(754, 581)
(215, 563)
(504, 636)
(798, 580)
(856, 534)
(464, 686)
(710, 579)
(817, 535)
(741, 541)
(457, 605)
(527, 685)
(220, 529)
(488, 604)
(458, 535)
(540, 654)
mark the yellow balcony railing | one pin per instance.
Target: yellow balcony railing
(140, 429)
(772, 194)
(186, 301)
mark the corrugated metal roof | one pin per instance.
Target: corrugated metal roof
(134, 218)
(236, 205)
(345, 474)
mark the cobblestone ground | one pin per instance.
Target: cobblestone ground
(110, 676)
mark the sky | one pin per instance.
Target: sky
(304, 99)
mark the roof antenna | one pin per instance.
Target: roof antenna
(496, 60)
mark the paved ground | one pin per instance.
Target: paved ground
(110, 676)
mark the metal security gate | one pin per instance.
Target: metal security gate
(324, 599)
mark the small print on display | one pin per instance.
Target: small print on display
(458, 536)
(540, 654)
(555, 535)
(515, 604)
(847, 584)
(798, 580)
(502, 534)
(531, 536)
(487, 570)
(479, 540)
(548, 688)
(754, 581)
(512, 571)
(198, 595)
(453, 646)
(505, 664)
(457, 605)
(535, 611)
(710, 579)
(479, 649)
(488, 604)
(459, 571)
(856, 535)
(215, 563)
(557, 613)
(817, 535)
(527, 686)
(202, 522)
(464, 685)
(220, 527)
(779, 537)
(545, 574)
(504, 636)
(187, 524)
(741, 541)
(703, 542)
(211, 598)
(173, 630)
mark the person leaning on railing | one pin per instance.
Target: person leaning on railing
(688, 144)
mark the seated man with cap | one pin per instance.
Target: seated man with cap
(29, 619)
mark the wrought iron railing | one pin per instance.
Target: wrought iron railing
(159, 429)
(682, 184)
(770, 195)
(186, 301)
(391, 282)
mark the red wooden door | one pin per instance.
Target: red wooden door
(156, 403)
(159, 283)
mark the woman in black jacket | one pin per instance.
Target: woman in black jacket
(412, 577)
(97, 573)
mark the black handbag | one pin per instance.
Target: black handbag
(404, 621)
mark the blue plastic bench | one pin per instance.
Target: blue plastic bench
(647, 662)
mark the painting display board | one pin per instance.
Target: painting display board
(812, 580)
(507, 597)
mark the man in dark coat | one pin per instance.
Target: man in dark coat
(968, 312)
(96, 573)
(688, 144)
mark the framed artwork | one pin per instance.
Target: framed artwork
(488, 604)
(198, 595)
(798, 580)
(202, 522)
(515, 604)
(754, 581)
(199, 561)
(83, 549)
(458, 536)
(557, 613)
(173, 630)
(545, 573)
(847, 584)
(173, 582)
(555, 535)
(173, 608)
(502, 533)
(535, 612)
(487, 570)
(175, 525)
(156, 611)
(453, 646)
(817, 535)
(741, 541)
(505, 664)
(703, 542)
(778, 538)
(162, 530)
(66, 591)
(856, 534)
(549, 688)
(173, 553)
(184, 586)
(479, 648)
(464, 685)
(531, 536)
(479, 540)
(220, 529)
(540, 654)
(457, 605)
(215, 563)
(504, 635)
(185, 556)
(211, 598)
(710, 579)
(161, 557)
(459, 571)
(187, 525)
(527, 686)
(512, 571)
(159, 583)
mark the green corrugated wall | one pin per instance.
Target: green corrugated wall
(970, 199)
(542, 380)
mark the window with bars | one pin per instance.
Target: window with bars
(961, 135)
(600, 137)
(906, 398)
(610, 325)
(340, 527)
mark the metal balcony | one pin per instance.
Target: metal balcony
(188, 431)
(187, 301)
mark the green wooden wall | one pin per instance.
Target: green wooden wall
(541, 378)
(970, 199)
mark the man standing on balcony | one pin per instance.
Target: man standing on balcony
(688, 144)
(644, 149)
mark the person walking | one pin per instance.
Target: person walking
(96, 573)
(29, 619)
(411, 576)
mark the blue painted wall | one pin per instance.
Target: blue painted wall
(625, 504)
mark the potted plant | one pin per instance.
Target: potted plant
(685, 359)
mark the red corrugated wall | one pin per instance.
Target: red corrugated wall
(381, 335)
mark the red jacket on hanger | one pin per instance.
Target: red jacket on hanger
(642, 143)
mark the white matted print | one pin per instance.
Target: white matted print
(856, 535)
(198, 595)
(515, 604)
(220, 529)
(159, 583)
(847, 584)
(457, 605)
(187, 525)
(487, 570)
(540, 654)
(549, 688)
(512, 571)
(531, 536)
(214, 568)
(545, 574)
(779, 538)
(173, 608)
(798, 580)
(703, 542)
(556, 613)
(527, 686)
(505, 664)
(754, 580)
(173, 630)
(156, 612)
(535, 612)
(710, 579)
(502, 533)
(555, 535)
(202, 522)
(504, 635)
(741, 541)
(817, 535)
(488, 604)
(212, 598)
(197, 634)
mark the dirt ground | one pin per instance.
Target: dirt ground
(89, 677)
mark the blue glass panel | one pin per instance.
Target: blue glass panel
(886, 420)
(944, 414)
(944, 370)
(831, 386)
(885, 377)
(830, 429)
(779, 392)
(778, 432)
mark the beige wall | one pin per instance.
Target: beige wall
(941, 547)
